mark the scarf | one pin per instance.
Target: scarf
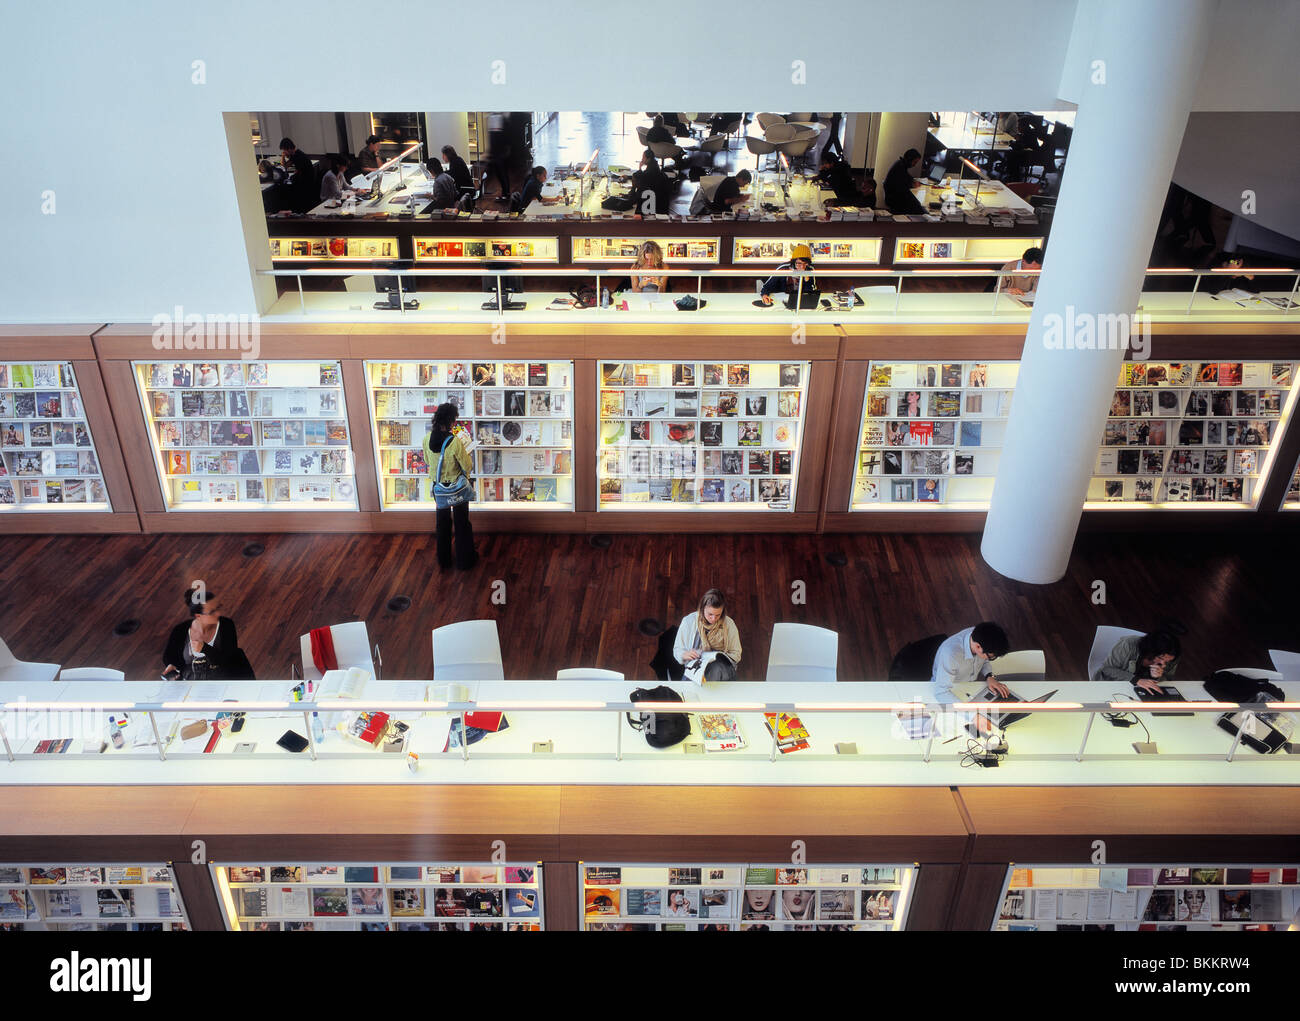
(712, 636)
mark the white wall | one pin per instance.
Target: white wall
(898, 133)
(100, 109)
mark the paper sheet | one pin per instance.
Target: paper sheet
(1099, 904)
(1045, 905)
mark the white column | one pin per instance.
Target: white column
(1127, 135)
(898, 133)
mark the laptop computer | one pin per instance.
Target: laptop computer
(1004, 720)
(1167, 693)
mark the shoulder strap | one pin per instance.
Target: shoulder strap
(441, 454)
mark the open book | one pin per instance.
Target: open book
(350, 683)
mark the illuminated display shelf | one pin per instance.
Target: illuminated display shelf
(700, 435)
(332, 249)
(959, 250)
(931, 434)
(90, 898)
(625, 249)
(1185, 433)
(381, 897)
(1182, 898)
(764, 251)
(625, 897)
(1292, 500)
(48, 460)
(515, 249)
(520, 415)
(249, 435)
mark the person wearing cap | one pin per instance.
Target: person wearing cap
(783, 280)
(369, 154)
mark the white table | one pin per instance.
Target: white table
(971, 140)
(414, 175)
(601, 748)
(993, 196)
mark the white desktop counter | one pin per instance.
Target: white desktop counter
(599, 747)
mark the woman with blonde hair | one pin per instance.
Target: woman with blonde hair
(651, 256)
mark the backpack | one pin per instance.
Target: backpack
(1225, 686)
(661, 730)
(699, 203)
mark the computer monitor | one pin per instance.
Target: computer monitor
(937, 172)
(389, 283)
(508, 284)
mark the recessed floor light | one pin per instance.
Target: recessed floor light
(126, 627)
(399, 603)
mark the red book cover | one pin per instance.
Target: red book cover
(1290, 875)
(1258, 876)
(490, 722)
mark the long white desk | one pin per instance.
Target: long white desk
(599, 747)
(970, 195)
(737, 307)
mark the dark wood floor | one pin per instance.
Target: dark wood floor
(570, 604)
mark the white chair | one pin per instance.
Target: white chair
(359, 284)
(780, 131)
(91, 673)
(795, 148)
(1028, 664)
(641, 131)
(467, 651)
(1103, 642)
(667, 150)
(351, 649)
(760, 147)
(1287, 663)
(715, 144)
(588, 673)
(1254, 673)
(766, 120)
(801, 652)
(709, 184)
(14, 669)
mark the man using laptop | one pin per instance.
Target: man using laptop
(966, 657)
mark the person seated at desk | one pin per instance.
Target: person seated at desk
(651, 191)
(1221, 282)
(674, 124)
(533, 189)
(659, 132)
(651, 256)
(300, 192)
(1023, 284)
(456, 167)
(837, 175)
(899, 183)
(707, 629)
(445, 193)
(966, 657)
(205, 647)
(369, 154)
(783, 281)
(728, 193)
(1144, 661)
(332, 186)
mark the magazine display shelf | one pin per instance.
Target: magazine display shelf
(1179, 898)
(687, 435)
(336, 248)
(516, 417)
(247, 435)
(616, 250)
(702, 897)
(931, 434)
(380, 897)
(962, 251)
(486, 249)
(90, 898)
(827, 253)
(1195, 432)
(577, 732)
(48, 459)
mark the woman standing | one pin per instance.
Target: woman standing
(650, 257)
(442, 443)
(708, 629)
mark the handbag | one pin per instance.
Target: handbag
(661, 730)
(458, 492)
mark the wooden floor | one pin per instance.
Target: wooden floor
(570, 604)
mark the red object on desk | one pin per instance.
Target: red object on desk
(212, 741)
(490, 722)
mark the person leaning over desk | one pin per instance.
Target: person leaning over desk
(1023, 283)
(707, 629)
(1144, 661)
(786, 278)
(332, 185)
(456, 167)
(899, 183)
(838, 176)
(445, 193)
(651, 256)
(966, 657)
(533, 189)
(369, 154)
(205, 647)
(728, 193)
